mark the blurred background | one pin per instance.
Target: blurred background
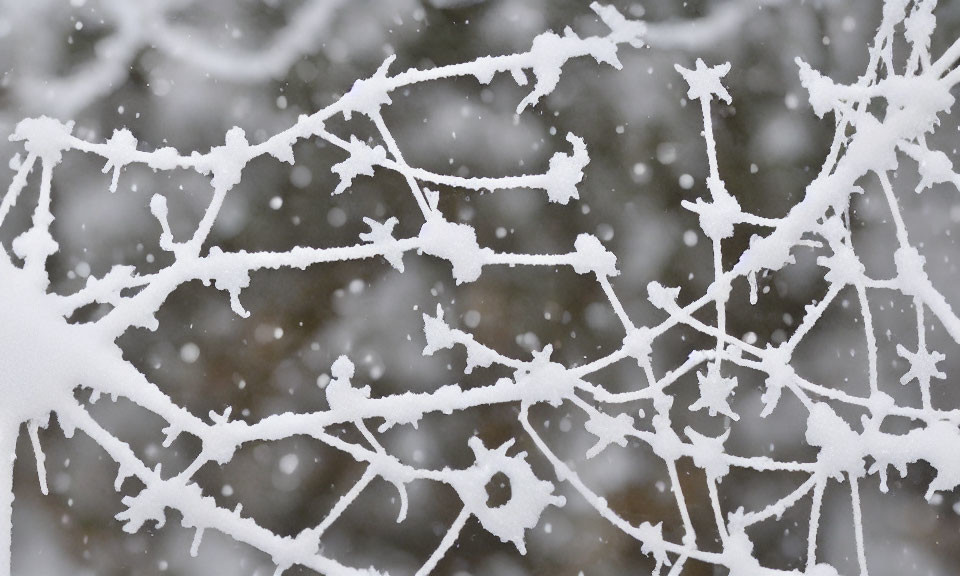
(181, 73)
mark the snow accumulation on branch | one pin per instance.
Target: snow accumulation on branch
(67, 356)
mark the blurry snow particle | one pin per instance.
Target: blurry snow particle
(276, 202)
(263, 333)
(418, 456)
(849, 24)
(686, 181)
(82, 269)
(282, 102)
(189, 352)
(502, 232)
(661, 485)
(471, 319)
(956, 507)
(640, 174)
(15, 162)
(356, 286)
(529, 341)
(750, 338)
(227, 490)
(955, 213)
(277, 333)
(690, 238)
(486, 96)
(163, 565)
(288, 463)
(548, 528)
(605, 232)
(620, 129)
(262, 453)
(78, 25)
(61, 482)
(233, 217)
(301, 176)
(306, 71)
(936, 499)
(376, 372)
(160, 86)
(323, 380)
(666, 153)
(336, 217)
(598, 316)
(787, 319)
(754, 168)
(565, 424)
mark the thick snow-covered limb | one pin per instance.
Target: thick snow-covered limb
(865, 145)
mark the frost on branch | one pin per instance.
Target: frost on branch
(530, 495)
(71, 355)
(566, 171)
(869, 145)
